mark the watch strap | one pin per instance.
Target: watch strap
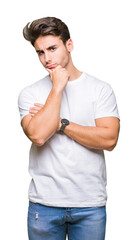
(62, 127)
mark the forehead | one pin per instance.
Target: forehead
(47, 41)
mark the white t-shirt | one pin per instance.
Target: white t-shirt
(65, 173)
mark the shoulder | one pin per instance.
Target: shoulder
(32, 89)
(95, 80)
(97, 85)
(40, 83)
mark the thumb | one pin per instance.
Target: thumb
(49, 71)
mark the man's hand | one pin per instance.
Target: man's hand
(34, 110)
(59, 125)
(42, 122)
(59, 77)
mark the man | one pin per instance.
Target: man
(70, 117)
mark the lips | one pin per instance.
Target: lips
(50, 66)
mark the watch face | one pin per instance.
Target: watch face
(65, 121)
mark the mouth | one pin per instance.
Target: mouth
(51, 66)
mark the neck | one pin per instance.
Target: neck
(73, 71)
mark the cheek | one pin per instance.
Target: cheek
(60, 54)
(63, 58)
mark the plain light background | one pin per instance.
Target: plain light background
(105, 35)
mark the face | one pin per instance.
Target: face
(52, 51)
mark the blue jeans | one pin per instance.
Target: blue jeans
(53, 223)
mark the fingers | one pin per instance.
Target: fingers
(58, 66)
(38, 105)
(59, 124)
(50, 71)
(34, 110)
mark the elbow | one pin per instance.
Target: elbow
(111, 145)
(36, 137)
(113, 140)
(110, 148)
(37, 140)
(39, 143)
(40, 140)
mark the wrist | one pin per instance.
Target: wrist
(56, 90)
(64, 123)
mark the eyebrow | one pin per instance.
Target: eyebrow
(41, 51)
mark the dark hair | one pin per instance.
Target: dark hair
(46, 26)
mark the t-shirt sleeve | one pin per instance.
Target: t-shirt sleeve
(106, 105)
(25, 101)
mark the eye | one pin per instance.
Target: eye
(40, 53)
(52, 49)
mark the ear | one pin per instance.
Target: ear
(69, 45)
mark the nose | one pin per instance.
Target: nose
(47, 57)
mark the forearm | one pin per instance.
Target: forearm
(44, 123)
(91, 137)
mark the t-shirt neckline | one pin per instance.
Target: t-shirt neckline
(77, 79)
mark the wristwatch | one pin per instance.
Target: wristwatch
(64, 123)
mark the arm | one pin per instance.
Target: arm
(40, 127)
(103, 136)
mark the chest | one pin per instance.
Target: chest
(77, 104)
